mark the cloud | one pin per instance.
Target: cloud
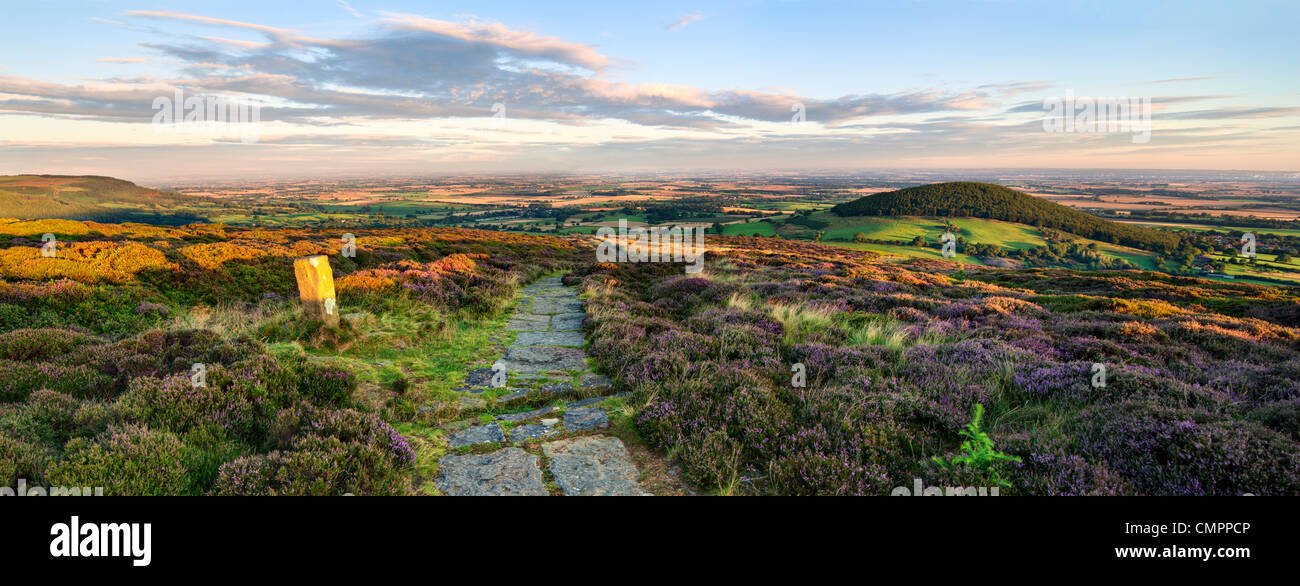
(1007, 90)
(1232, 113)
(419, 68)
(237, 42)
(413, 89)
(685, 20)
(498, 35)
(206, 20)
(348, 7)
(1186, 79)
(1157, 102)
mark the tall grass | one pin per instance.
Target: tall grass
(798, 320)
(876, 333)
(743, 301)
(230, 320)
(869, 329)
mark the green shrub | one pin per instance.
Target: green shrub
(327, 384)
(46, 417)
(316, 466)
(40, 344)
(207, 448)
(19, 379)
(20, 459)
(127, 460)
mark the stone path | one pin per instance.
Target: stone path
(546, 370)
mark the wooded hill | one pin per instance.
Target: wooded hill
(80, 197)
(984, 200)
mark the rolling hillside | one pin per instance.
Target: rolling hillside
(984, 200)
(79, 197)
(891, 235)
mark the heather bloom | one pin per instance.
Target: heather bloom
(1169, 420)
(1061, 380)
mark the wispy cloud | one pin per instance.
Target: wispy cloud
(237, 42)
(1234, 113)
(348, 7)
(1186, 79)
(685, 20)
(205, 20)
(1008, 90)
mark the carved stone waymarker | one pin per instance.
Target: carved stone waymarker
(316, 288)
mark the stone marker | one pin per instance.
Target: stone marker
(316, 288)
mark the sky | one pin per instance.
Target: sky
(361, 87)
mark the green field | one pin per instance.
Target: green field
(578, 230)
(749, 229)
(1201, 228)
(396, 208)
(1005, 234)
(906, 251)
(841, 230)
(1266, 268)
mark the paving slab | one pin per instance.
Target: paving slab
(566, 322)
(552, 293)
(540, 359)
(506, 472)
(554, 306)
(595, 381)
(527, 322)
(532, 431)
(593, 465)
(526, 415)
(585, 402)
(556, 388)
(569, 339)
(479, 377)
(482, 434)
(585, 418)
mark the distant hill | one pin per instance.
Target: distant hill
(82, 197)
(985, 200)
